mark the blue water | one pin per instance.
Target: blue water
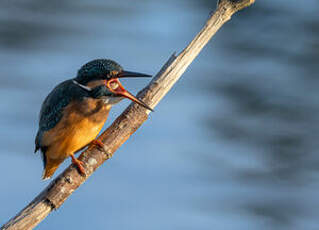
(232, 146)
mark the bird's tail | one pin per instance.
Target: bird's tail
(50, 167)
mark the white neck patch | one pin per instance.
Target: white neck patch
(82, 86)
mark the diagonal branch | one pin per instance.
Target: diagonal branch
(125, 125)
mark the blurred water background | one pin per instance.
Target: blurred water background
(233, 146)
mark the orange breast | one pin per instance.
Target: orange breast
(81, 123)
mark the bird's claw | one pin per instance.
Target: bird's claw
(79, 164)
(100, 144)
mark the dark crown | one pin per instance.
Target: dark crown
(96, 70)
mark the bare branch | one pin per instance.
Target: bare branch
(125, 125)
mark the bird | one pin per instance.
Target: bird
(74, 112)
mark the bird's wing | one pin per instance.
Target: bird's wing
(52, 107)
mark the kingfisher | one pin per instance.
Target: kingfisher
(74, 112)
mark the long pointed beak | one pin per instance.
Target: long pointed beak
(116, 87)
(131, 74)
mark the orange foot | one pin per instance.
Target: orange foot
(98, 143)
(79, 164)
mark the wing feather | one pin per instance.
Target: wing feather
(52, 108)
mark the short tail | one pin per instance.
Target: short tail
(50, 167)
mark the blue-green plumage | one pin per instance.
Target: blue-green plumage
(52, 107)
(97, 69)
(74, 112)
(61, 95)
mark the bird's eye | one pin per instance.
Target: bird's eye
(114, 85)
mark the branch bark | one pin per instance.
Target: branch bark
(54, 195)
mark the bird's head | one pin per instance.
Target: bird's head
(108, 72)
